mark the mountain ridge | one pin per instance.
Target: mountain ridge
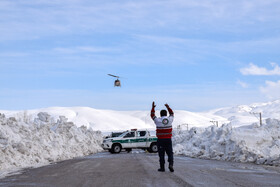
(107, 120)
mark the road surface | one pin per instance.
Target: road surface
(140, 169)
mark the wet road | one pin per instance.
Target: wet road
(140, 169)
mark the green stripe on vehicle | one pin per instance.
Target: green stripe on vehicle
(135, 140)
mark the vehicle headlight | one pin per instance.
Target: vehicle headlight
(107, 140)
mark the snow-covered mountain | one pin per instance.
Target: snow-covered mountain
(247, 114)
(108, 120)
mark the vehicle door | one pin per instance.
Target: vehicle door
(141, 139)
(129, 140)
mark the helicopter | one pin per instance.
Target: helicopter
(117, 82)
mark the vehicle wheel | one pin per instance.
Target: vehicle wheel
(111, 151)
(116, 148)
(153, 148)
(128, 150)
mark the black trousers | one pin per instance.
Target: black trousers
(165, 145)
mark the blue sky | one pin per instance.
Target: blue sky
(195, 55)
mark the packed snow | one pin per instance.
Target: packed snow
(35, 137)
(25, 143)
(253, 143)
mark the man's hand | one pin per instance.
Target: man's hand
(171, 113)
(153, 106)
(153, 116)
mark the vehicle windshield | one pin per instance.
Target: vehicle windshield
(129, 134)
(116, 134)
(123, 134)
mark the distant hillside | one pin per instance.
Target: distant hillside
(247, 114)
(108, 120)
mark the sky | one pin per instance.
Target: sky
(193, 55)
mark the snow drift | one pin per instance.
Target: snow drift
(25, 143)
(253, 143)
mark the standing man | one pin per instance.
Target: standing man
(164, 134)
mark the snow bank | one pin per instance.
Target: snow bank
(25, 143)
(254, 143)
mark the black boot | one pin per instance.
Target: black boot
(171, 168)
(161, 169)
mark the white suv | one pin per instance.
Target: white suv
(133, 139)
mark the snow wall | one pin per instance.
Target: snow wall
(253, 143)
(25, 143)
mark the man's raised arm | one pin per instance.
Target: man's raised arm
(171, 113)
(153, 116)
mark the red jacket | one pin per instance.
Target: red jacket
(163, 124)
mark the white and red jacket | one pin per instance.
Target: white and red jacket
(163, 124)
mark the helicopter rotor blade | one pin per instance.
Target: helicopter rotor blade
(113, 75)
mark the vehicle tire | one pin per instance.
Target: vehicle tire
(116, 148)
(153, 148)
(111, 151)
(128, 150)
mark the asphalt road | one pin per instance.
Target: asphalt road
(140, 169)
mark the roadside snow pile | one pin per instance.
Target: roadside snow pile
(253, 143)
(25, 143)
